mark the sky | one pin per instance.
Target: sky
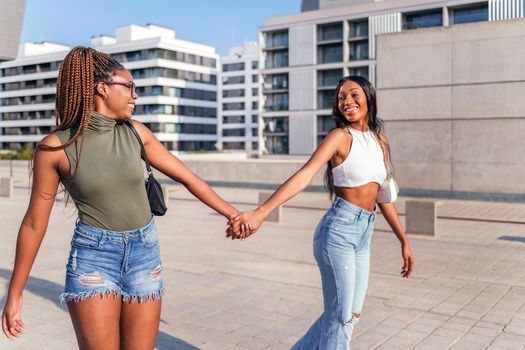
(218, 23)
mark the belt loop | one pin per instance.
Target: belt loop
(372, 216)
(359, 214)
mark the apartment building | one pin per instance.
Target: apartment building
(239, 99)
(305, 54)
(176, 83)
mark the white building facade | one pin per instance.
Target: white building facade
(304, 55)
(239, 99)
(176, 83)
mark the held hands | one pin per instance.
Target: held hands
(244, 224)
(12, 324)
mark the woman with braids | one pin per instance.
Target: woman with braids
(357, 155)
(113, 284)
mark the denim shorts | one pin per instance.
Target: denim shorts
(118, 263)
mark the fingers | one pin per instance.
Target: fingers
(12, 327)
(408, 267)
(235, 219)
(5, 329)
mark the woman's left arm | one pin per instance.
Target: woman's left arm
(165, 162)
(390, 214)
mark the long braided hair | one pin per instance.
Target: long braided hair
(82, 69)
(374, 122)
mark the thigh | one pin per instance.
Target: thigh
(338, 281)
(362, 268)
(96, 322)
(139, 324)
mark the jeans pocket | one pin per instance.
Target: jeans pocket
(82, 239)
(150, 239)
(345, 217)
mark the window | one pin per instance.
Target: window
(255, 78)
(233, 80)
(332, 31)
(433, 18)
(276, 102)
(232, 145)
(255, 91)
(255, 64)
(330, 53)
(234, 119)
(325, 123)
(276, 82)
(359, 29)
(325, 99)
(276, 125)
(174, 92)
(255, 105)
(277, 59)
(276, 39)
(233, 93)
(233, 106)
(329, 77)
(228, 67)
(275, 135)
(156, 90)
(276, 144)
(359, 50)
(233, 132)
(476, 13)
(361, 71)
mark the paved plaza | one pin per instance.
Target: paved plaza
(467, 291)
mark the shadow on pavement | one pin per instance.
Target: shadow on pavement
(51, 291)
(512, 238)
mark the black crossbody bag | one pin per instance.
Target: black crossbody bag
(153, 187)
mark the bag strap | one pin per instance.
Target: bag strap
(142, 151)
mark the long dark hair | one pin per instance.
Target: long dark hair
(374, 123)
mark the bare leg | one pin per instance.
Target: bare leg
(96, 322)
(139, 325)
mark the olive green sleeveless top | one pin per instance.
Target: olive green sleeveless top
(108, 187)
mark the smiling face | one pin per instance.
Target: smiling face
(118, 95)
(352, 104)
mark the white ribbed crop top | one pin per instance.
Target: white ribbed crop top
(364, 163)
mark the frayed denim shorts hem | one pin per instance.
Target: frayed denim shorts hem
(118, 264)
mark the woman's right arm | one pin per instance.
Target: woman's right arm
(31, 232)
(296, 183)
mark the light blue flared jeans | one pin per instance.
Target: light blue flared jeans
(342, 251)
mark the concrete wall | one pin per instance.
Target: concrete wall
(260, 173)
(453, 102)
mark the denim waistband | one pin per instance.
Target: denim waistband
(342, 204)
(82, 226)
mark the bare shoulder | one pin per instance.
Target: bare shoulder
(145, 134)
(339, 134)
(51, 140)
(50, 158)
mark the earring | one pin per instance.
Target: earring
(104, 97)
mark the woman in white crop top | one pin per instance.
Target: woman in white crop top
(356, 152)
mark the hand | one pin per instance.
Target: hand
(408, 259)
(12, 324)
(235, 232)
(244, 225)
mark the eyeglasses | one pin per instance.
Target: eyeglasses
(131, 86)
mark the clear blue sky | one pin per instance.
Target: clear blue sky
(219, 23)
